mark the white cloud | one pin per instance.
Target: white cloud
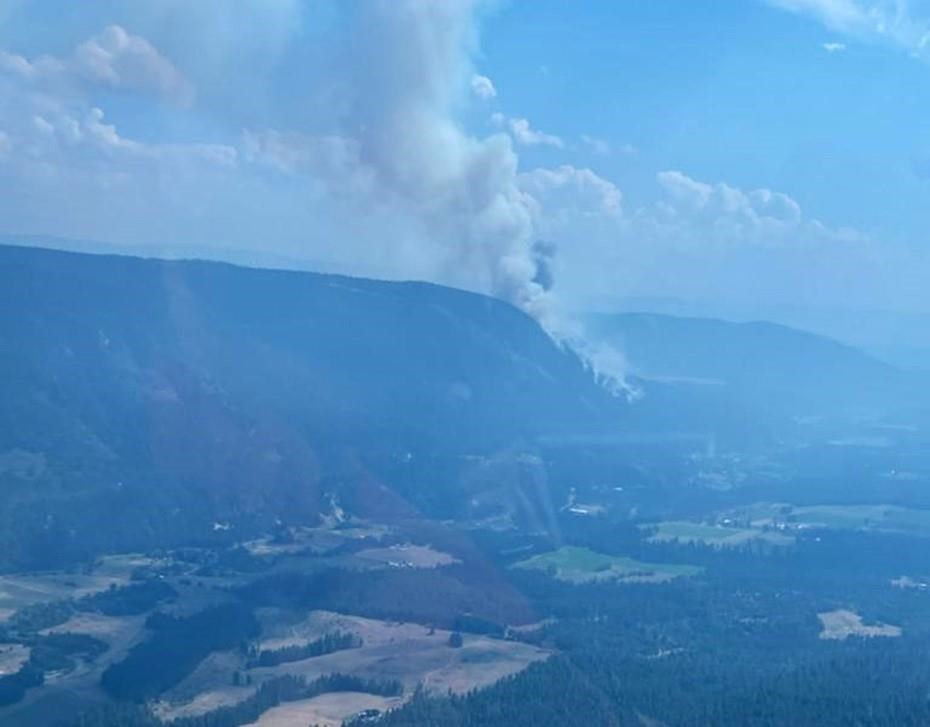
(524, 134)
(122, 60)
(833, 47)
(567, 187)
(722, 214)
(112, 58)
(696, 240)
(482, 87)
(903, 23)
(40, 68)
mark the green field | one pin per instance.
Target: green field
(865, 517)
(884, 518)
(580, 565)
(719, 536)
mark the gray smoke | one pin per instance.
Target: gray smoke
(543, 255)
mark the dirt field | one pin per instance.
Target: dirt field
(108, 628)
(842, 624)
(408, 556)
(406, 652)
(328, 710)
(410, 654)
(17, 591)
(12, 657)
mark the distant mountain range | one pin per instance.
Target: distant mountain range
(772, 368)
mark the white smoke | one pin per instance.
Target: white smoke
(411, 73)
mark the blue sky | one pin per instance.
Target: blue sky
(729, 90)
(738, 152)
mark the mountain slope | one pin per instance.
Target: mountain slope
(168, 399)
(772, 368)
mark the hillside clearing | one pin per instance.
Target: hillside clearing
(841, 624)
(580, 565)
(327, 710)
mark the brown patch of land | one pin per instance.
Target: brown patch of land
(412, 654)
(17, 591)
(12, 657)
(327, 710)
(841, 624)
(408, 556)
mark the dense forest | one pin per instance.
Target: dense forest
(738, 645)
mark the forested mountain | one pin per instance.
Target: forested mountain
(173, 400)
(168, 399)
(771, 368)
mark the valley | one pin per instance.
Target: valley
(231, 517)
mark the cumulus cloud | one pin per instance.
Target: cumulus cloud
(112, 58)
(117, 58)
(572, 188)
(725, 215)
(482, 87)
(833, 47)
(697, 240)
(523, 133)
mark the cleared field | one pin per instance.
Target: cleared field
(580, 565)
(327, 710)
(786, 517)
(313, 540)
(718, 536)
(841, 624)
(119, 632)
(865, 517)
(17, 591)
(12, 657)
(410, 653)
(408, 556)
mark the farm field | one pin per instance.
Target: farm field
(410, 653)
(580, 565)
(718, 536)
(327, 710)
(879, 518)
